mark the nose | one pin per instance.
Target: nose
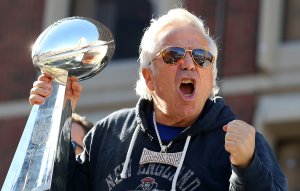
(187, 62)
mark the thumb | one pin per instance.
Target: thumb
(225, 128)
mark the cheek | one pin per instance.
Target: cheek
(160, 85)
(206, 82)
(164, 79)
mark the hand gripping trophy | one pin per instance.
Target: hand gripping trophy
(73, 46)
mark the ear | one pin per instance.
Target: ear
(148, 76)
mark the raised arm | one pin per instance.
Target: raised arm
(254, 166)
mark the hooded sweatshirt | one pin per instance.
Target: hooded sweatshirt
(113, 152)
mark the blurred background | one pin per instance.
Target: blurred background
(259, 63)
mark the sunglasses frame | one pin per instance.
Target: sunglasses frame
(75, 145)
(191, 53)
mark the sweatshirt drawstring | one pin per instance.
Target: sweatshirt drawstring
(186, 145)
(128, 155)
(133, 139)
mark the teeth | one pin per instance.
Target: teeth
(187, 81)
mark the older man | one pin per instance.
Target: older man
(180, 136)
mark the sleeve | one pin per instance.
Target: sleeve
(263, 174)
(79, 169)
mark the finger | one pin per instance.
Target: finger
(73, 87)
(69, 88)
(234, 160)
(76, 88)
(45, 77)
(74, 84)
(240, 127)
(40, 91)
(225, 128)
(232, 137)
(73, 79)
(239, 123)
(230, 146)
(69, 91)
(36, 99)
(233, 130)
(234, 127)
(43, 85)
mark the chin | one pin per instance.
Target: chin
(188, 111)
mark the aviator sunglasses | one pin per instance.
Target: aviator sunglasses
(201, 57)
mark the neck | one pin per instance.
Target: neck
(173, 120)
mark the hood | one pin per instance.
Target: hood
(215, 115)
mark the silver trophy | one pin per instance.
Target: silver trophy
(74, 46)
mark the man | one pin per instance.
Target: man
(79, 128)
(180, 136)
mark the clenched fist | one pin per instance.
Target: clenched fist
(240, 142)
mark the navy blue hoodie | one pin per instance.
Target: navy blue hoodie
(206, 165)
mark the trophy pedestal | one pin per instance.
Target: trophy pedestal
(47, 127)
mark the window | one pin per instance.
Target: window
(126, 20)
(289, 159)
(291, 29)
(275, 55)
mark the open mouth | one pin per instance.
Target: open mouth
(187, 87)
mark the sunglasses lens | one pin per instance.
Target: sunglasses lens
(202, 57)
(172, 55)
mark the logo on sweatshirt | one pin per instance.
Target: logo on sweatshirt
(147, 183)
(142, 179)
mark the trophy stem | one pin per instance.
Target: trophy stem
(33, 163)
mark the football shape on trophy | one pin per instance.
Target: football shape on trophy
(81, 46)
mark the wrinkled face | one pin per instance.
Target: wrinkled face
(179, 90)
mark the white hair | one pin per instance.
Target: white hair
(150, 44)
